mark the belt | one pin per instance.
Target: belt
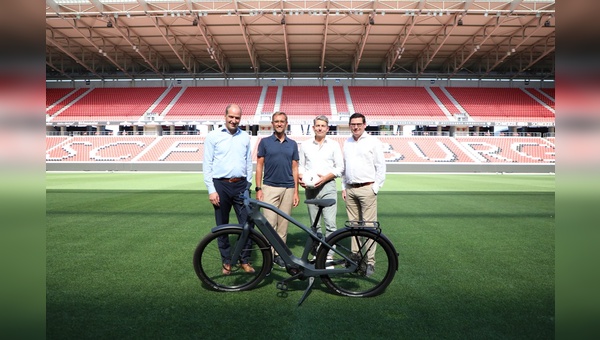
(232, 179)
(358, 185)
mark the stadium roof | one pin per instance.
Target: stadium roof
(165, 39)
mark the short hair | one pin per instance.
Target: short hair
(358, 115)
(279, 113)
(321, 117)
(230, 105)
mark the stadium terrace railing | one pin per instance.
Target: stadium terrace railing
(332, 133)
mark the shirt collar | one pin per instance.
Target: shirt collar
(237, 131)
(325, 140)
(277, 139)
(363, 135)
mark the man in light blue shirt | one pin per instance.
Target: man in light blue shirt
(227, 171)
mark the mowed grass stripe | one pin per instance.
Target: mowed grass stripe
(474, 263)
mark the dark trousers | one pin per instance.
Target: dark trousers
(230, 196)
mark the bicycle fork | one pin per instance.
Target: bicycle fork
(237, 255)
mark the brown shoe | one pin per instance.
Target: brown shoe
(247, 268)
(226, 269)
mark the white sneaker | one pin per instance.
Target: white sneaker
(370, 270)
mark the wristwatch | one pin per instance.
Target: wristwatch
(257, 189)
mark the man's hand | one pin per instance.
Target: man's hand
(214, 199)
(301, 182)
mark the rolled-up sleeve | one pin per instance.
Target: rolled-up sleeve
(207, 165)
(380, 166)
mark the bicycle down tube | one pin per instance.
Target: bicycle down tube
(277, 243)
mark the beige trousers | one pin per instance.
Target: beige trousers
(282, 198)
(361, 205)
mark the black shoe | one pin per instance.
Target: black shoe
(279, 261)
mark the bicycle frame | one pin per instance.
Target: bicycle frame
(340, 258)
(293, 262)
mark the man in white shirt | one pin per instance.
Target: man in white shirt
(364, 174)
(321, 156)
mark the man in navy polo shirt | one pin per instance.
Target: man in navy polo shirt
(277, 170)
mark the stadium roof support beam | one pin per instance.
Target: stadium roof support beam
(468, 4)
(324, 43)
(213, 48)
(509, 47)
(77, 60)
(515, 4)
(361, 48)
(486, 35)
(89, 40)
(405, 43)
(249, 47)
(547, 50)
(443, 32)
(58, 69)
(397, 51)
(55, 7)
(158, 23)
(135, 47)
(98, 5)
(286, 46)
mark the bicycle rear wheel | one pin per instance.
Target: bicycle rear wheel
(362, 282)
(208, 261)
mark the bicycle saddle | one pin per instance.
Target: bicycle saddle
(322, 202)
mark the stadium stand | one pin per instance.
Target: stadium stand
(500, 104)
(509, 149)
(446, 102)
(97, 148)
(340, 99)
(541, 95)
(434, 105)
(110, 104)
(53, 141)
(208, 103)
(166, 100)
(270, 100)
(382, 103)
(57, 99)
(305, 102)
(424, 149)
(53, 96)
(550, 92)
(410, 103)
(403, 149)
(175, 149)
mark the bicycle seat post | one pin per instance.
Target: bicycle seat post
(311, 243)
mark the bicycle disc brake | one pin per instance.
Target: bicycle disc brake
(361, 260)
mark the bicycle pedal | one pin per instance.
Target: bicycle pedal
(281, 286)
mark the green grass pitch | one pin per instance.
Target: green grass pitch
(476, 262)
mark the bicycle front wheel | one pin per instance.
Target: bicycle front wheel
(376, 258)
(212, 253)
